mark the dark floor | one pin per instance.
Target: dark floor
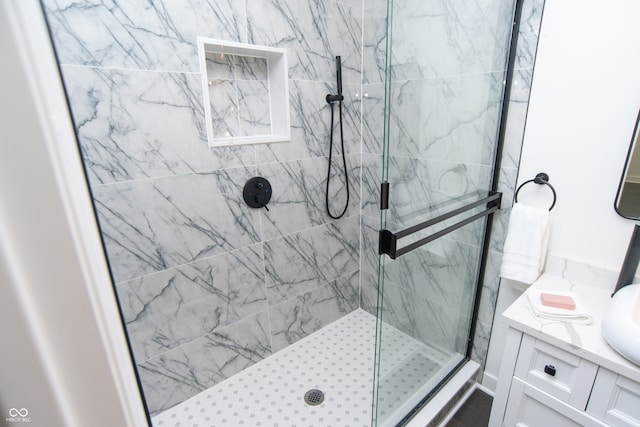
(474, 412)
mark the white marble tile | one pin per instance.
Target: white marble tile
(298, 201)
(338, 202)
(434, 286)
(310, 123)
(421, 189)
(138, 34)
(374, 43)
(481, 343)
(314, 32)
(373, 3)
(153, 225)
(421, 318)
(369, 293)
(166, 309)
(443, 271)
(351, 120)
(225, 118)
(500, 228)
(355, 4)
(516, 117)
(373, 118)
(300, 262)
(518, 105)
(139, 124)
(371, 181)
(251, 68)
(454, 119)
(444, 38)
(298, 317)
(220, 66)
(490, 286)
(583, 273)
(253, 99)
(239, 95)
(369, 237)
(184, 371)
(528, 35)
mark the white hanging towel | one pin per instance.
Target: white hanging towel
(525, 247)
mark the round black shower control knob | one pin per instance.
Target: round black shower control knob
(257, 192)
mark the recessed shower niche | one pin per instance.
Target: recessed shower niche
(246, 92)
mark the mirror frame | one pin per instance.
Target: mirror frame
(632, 146)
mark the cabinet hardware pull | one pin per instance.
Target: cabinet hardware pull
(550, 369)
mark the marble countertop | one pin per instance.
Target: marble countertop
(585, 341)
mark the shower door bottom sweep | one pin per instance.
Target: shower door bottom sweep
(337, 360)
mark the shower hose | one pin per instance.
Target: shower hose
(344, 162)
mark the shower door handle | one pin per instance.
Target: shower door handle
(388, 243)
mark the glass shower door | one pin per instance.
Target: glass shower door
(445, 74)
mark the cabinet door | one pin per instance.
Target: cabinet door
(615, 399)
(531, 407)
(555, 371)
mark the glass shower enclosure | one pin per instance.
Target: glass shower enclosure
(446, 69)
(208, 288)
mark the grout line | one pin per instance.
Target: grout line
(315, 288)
(100, 67)
(344, 219)
(264, 273)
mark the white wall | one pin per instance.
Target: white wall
(63, 353)
(584, 101)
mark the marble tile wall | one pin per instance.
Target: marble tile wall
(529, 32)
(207, 285)
(238, 92)
(445, 151)
(374, 39)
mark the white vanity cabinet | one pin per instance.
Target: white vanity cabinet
(555, 374)
(616, 399)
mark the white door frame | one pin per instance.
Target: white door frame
(64, 357)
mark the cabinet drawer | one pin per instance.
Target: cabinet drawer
(557, 372)
(615, 399)
(530, 407)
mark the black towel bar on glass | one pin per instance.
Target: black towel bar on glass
(388, 241)
(541, 178)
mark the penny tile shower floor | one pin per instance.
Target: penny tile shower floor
(337, 359)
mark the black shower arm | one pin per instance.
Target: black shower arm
(337, 97)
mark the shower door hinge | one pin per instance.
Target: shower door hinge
(384, 196)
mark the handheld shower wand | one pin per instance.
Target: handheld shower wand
(331, 100)
(337, 97)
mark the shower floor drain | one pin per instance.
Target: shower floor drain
(314, 397)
